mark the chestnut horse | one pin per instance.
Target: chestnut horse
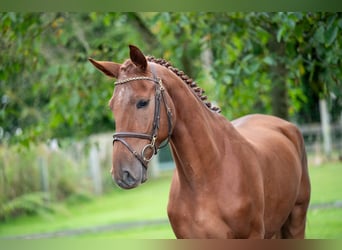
(242, 179)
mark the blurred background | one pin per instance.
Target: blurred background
(56, 128)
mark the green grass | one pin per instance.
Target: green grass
(146, 202)
(326, 183)
(150, 232)
(149, 201)
(324, 224)
(326, 186)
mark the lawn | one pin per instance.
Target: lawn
(326, 187)
(149, 201)
(326, 183)
(144, 203)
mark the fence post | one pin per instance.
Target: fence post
(95, 170)
(44, 175)
(325, 124)
(154, 165)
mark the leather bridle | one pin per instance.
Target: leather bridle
(159, 97)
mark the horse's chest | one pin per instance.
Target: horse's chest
(195, 220)
(191, 218)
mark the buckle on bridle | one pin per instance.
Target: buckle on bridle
(161, 86)
(151, 147)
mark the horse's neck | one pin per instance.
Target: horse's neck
(197, 141)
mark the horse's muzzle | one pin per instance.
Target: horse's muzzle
(128, 180)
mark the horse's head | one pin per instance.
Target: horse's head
(142, 111)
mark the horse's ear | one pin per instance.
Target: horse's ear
(137, 57)
(111, 69)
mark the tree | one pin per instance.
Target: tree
(19, 64)
(48, 89)
(276, 63)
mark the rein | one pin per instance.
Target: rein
(159, 96)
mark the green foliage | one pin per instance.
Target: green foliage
(314, 45)
(279, 63)
(38, 176)
(27, 204)
(254, 54)
(48, 89)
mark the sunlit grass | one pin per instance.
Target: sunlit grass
(326, 183)
(324, 224)
(149, 232)
(146, 202)
(149, 201)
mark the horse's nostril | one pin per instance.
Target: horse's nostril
(128, 178)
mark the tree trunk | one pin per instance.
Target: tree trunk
(279, 99)
(279, 94)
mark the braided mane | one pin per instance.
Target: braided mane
(189, 81)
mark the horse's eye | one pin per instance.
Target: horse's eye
(142, 103)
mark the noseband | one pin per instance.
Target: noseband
(159, 96)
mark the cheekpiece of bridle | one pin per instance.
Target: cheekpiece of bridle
(159, 97)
